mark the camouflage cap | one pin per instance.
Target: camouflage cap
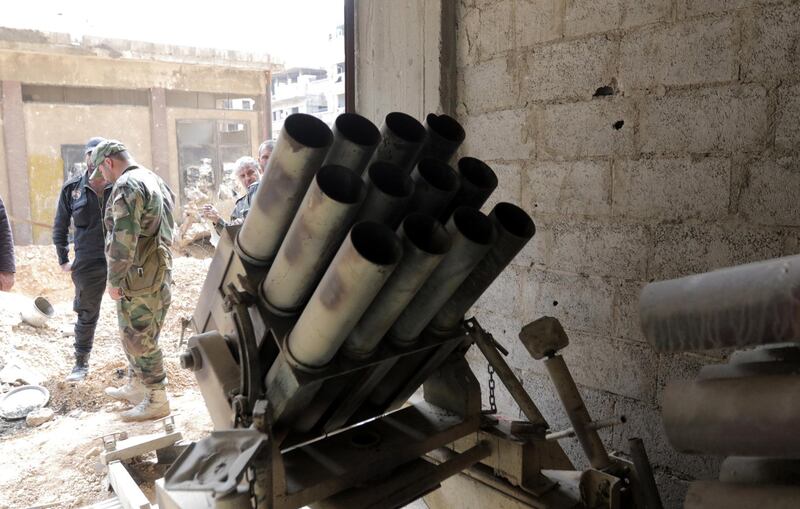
(104, 149)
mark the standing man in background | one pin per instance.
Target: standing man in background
(248, 172)
(139, 228)
(264, 151)
(7, 265)
(82, 201)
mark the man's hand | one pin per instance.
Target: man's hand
(211, 213)
(66, 267)
(6, 281)
(115, 293)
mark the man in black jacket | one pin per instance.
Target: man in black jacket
(7, 265)
(82, 201)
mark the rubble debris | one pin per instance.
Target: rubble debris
(39, 417)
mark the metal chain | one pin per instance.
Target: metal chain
(492, 404)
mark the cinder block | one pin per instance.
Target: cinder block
(469, 21)
(591, 16)
(626, 311)
(769, 45)
(587, 16)
(771, 194)
(680, 250)
(728, 119)
(587, 129)
(787, 130)
(492, 35)
(672, 189)
(536, 21)
(580, 188)
(697, 51)
(581, 303)
(488, 86)
(509, 176)
(568, 70)
(536, 253)
(642, 12)
(618, 250)
(503, 135)
(615, 366)
(690, 8)
(504, 296)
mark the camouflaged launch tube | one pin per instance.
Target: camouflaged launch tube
(302, 146)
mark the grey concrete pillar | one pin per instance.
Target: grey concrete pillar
(15, 141)
(159, 146)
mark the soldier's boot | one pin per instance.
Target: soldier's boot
(154, 406)
(133, 391)
(81, 368)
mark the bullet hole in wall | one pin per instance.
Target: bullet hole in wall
(555, 303)
(618, 124)
(604, 91)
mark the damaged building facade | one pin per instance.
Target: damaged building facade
(184, 112)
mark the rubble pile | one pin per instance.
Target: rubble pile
(57, 461)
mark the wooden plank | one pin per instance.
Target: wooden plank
(138, 445)
(128, 492)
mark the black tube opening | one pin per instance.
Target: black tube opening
(341, 184)
(44, 306)
(426, 233)
(390, 179)
(446, 126)
(474, 225)
(358, 129)
(477, 173)
(308, 130)
(405, 127)
(438, 174)
(376, 242)
(514, 220)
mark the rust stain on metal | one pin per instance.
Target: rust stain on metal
(334, 291)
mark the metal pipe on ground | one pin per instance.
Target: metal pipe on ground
(445, 135)
(472, 234)
(515, 229)
(576, 412)
(402, 138)
(740, 306)
(389, 191)
(355, 276)
(322, 221)
(355, 139)
(435, 185)
(748, 416)
(478, 182)
(302, 146)
(425, 243)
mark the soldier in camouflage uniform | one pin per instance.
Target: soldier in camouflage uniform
(139, 227)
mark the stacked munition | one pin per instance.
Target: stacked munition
(371, 237)
(747, 410)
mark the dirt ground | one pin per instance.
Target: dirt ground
(57, 464)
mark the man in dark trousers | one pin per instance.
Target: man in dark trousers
(82, 201)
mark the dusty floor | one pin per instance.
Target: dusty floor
(58, 462)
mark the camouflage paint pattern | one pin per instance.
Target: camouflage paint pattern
(140, 213)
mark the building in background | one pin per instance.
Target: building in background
(316, 91)
(187, 113)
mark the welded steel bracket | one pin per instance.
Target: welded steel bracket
(215, 463)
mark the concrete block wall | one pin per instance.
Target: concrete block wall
(649, 139)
